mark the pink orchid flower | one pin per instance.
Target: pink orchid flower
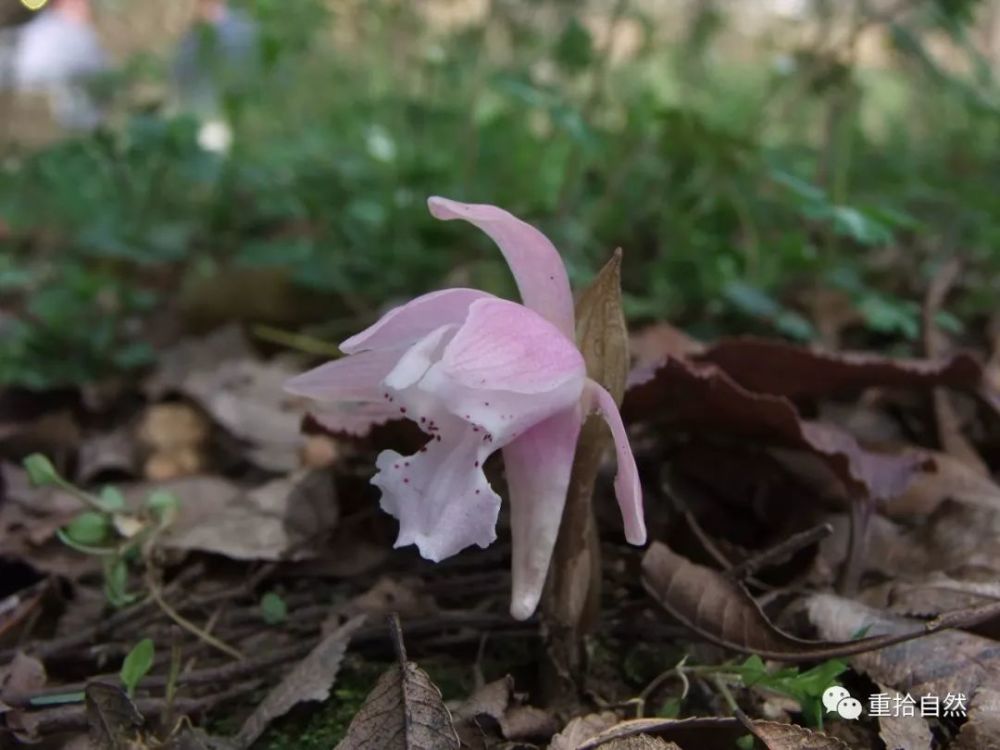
(479, 374)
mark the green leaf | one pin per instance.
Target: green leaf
(670, 708)
(116, 583)
(575, 49)
(40, 470)
(137, 664)
(163, 504)
(112, 499)
(89, 528)
(273, 608)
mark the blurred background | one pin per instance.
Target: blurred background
(798, 168)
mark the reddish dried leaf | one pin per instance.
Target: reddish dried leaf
(703, 398)
(782, 369)
(654, 343)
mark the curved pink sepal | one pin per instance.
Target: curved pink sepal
(627, 487)
(533, 259)
(412, 321)
(538, 466)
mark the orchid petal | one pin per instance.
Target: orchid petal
(354, 378)
(538, 466)
(356, 418)
(505, 370)
(627, 487)
(440, 495)
(412, 366)
(533, 259)
(408, 323)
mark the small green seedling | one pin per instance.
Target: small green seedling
(137, 664)
(40, 470)
(108, 528)
(273, 608)
(805, 687)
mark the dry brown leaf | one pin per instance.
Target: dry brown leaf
(903, 732)
(953, 661)
(704, 733)
(777, 736)
(701, 398)
(241, 393)
(524, 723)
(482, 712)
(310, 680)
(285, 518)
(109, 452)
(944, 477)
(714, 606)
(982, 730)
(581, 729)
(404, 711)
(174, 438)
(723, 612)
(29, 519)
(640, 742)
(404, 596)
(799, 373)
(949, 661)
(114, 720)
(720, 732)
(955, 539)
(949, 425)
(19, 679)
(935, 593)
(653, 343)
(601, 332)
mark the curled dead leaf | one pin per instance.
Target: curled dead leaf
(723, 612)
(701, 398)
(800, 373)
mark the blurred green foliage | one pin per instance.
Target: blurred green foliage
(737, 190)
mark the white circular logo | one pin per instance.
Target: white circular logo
(837, 700)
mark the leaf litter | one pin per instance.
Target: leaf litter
(267, 508)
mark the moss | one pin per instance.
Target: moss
(320, 727)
